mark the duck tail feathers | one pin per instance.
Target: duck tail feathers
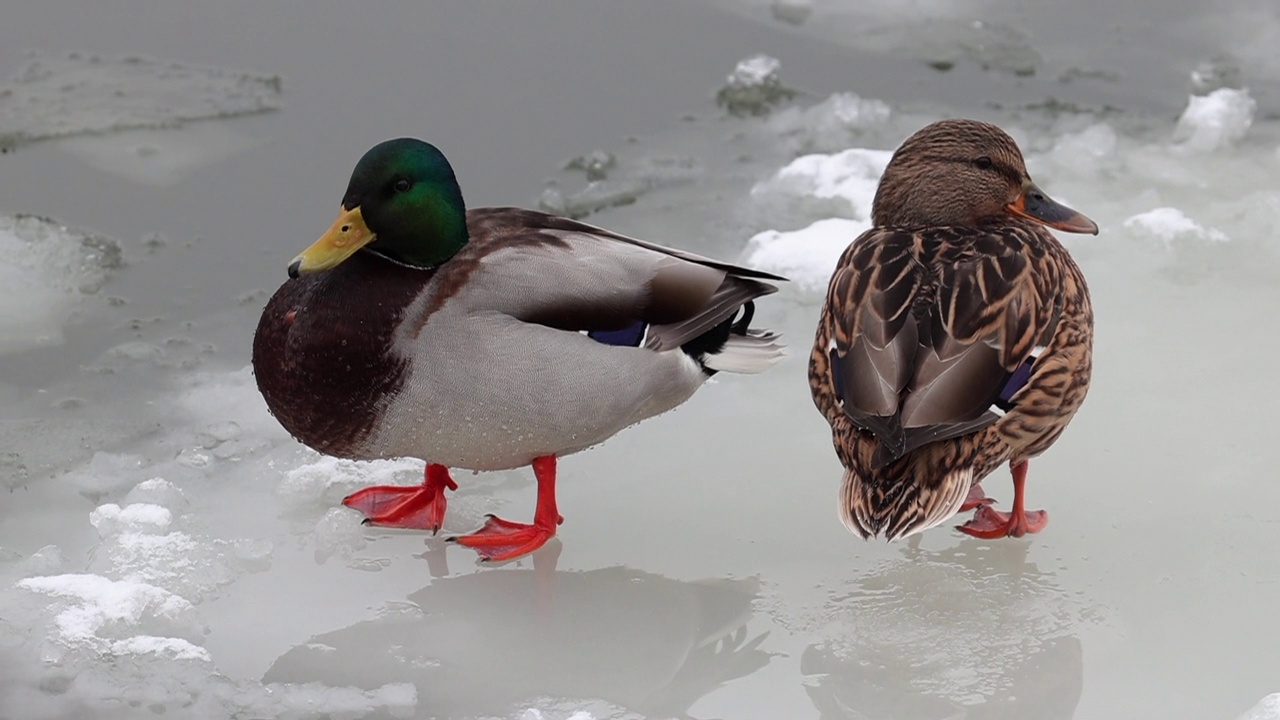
(900, 509)
(754, 351)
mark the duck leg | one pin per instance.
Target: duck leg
(502, 539)
(991, 523)
(420, 507)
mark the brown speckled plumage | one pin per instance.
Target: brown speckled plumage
(323, 363)
(929, 316)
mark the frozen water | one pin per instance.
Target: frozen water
(57, 96)
(49, 273)
(1215, 121)
(630, 180)
(167, 550)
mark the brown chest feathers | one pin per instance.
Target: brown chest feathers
(322, 351)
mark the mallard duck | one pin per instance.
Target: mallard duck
(957, 334)
(487, 339)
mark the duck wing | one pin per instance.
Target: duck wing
(935, 330)
(572, 276)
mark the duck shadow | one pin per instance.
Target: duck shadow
(496, 641)
(973, 632)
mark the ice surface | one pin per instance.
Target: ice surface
(1268, 708)
(613, 184)
(158, 157)
(1215, 121)
(1088, 619)
(122, 630)
(49, 273)
(52, 96)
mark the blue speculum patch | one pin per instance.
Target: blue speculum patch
(629, 336)
(1017, 379)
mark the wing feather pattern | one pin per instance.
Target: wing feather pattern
(932, 326)
(573, 276)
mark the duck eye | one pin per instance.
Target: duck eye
(982, 163)
(402, 185)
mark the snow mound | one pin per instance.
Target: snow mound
(54, 96)
(815, 186)
(109, 617)
(805, 256)
(838, 191)
(47, 270)
(1169, 225)
(1215, 121)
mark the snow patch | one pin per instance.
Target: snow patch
(47, 271)
(1215, 121)
(839, 189)
(1169, 225)
(144, 518)
(93, 611)
(840, 185)
(806, 256)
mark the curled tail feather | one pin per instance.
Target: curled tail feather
(900, 509)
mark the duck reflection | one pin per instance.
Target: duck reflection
(495, 641)
(974, 632)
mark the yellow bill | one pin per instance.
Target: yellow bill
(347, 235)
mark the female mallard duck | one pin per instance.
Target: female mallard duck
(487, 339)
(957, 334)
